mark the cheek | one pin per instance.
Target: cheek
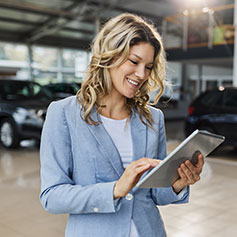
(118, 74)
(147, 76)
(113, 73)
(125, 69)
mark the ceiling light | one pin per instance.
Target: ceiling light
(185, 12)
(205, 9)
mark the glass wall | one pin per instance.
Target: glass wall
(48, 64)
(45, 58)
(13, 52)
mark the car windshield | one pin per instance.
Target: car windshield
(64, 88)
(19, 90)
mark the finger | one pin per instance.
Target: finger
(151, 161)
(192, 177)
(200, 162)
(142, 169)
(144, 161)
(139, 172)
(188, 173)
(182, 175)
(195, 171)
(133, 171)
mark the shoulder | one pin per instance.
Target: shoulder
(70, 101)
(64, 110)
(68, 104)
(156, 113)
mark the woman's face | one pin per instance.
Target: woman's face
(129, 77)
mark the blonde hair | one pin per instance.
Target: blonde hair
(114, 41)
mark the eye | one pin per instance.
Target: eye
(133, 61)
(149, 68)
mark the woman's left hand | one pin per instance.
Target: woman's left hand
(189, 174)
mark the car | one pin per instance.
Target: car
(23, 106)
(63, 89)
(215, 111)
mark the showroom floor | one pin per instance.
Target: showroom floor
(212, 210)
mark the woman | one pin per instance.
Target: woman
(96, 146)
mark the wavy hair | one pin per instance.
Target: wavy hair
(114, 41)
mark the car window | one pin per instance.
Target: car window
(213, 98)
(57, 88)
(230, 99)
(63, 88)
(12, 90)
(15, 91)
(40, 92)
(36, 89)
(75, 88)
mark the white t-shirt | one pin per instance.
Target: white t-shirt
(120, 132)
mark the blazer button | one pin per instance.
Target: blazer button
(96, 209)
(129, 196)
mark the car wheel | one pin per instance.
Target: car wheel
(8, 134)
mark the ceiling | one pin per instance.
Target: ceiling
(74, 23)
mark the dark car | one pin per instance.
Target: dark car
(23, 107)
(215, 111)
(63, 89)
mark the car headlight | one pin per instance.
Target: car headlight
(36, 114)
(20, 114)
(33, 114)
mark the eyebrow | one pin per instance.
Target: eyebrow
(140, 58)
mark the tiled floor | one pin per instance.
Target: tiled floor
(20, 211)
(212, 211)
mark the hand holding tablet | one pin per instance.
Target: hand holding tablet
(189, 173)
(165, 174)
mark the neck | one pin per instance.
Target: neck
(114, 108)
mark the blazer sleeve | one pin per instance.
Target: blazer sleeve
(164, 196)
(59, 194)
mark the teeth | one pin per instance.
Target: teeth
(132, 82)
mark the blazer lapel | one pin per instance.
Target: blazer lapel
(139, 140)
(106, 144)
(139, 137)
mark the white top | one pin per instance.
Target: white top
(120, 132)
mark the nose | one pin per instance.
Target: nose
(140, 72)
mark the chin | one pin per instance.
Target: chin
(130, 96)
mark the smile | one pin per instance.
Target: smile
(134, 83)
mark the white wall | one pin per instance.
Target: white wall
(209, 72)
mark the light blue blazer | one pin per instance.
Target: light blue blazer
(80, 165)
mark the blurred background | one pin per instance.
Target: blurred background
(44, 54)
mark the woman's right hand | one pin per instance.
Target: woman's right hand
(132, 174)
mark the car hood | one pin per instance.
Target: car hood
(33, 104)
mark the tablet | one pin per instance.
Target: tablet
(165, 173)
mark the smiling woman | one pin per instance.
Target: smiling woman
(124, 39)
(96, 145)
(129, 77)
